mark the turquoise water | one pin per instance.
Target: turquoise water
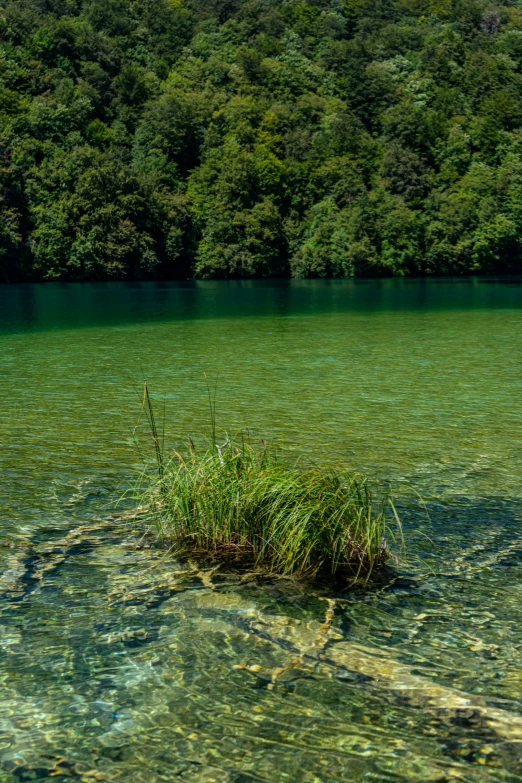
(115, 668)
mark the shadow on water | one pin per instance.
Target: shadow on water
(38, 307)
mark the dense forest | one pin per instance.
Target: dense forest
(252, 138)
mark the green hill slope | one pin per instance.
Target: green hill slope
(231, 138)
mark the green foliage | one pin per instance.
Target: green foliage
(255, 138)
(246, 504)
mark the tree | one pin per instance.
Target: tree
(240, 138)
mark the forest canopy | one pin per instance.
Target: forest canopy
(255, 138)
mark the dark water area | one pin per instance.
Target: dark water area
(118, 663)
(68, 305)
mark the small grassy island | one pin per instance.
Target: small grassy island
(247, 504)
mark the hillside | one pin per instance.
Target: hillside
(222, 138)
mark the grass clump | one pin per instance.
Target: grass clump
(247, 504)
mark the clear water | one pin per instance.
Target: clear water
(116, 666)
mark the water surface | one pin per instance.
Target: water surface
(115, 668)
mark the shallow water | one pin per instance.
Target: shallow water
(116, 668)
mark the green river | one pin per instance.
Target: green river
(116, 666)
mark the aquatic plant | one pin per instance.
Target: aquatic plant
(248, 503)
